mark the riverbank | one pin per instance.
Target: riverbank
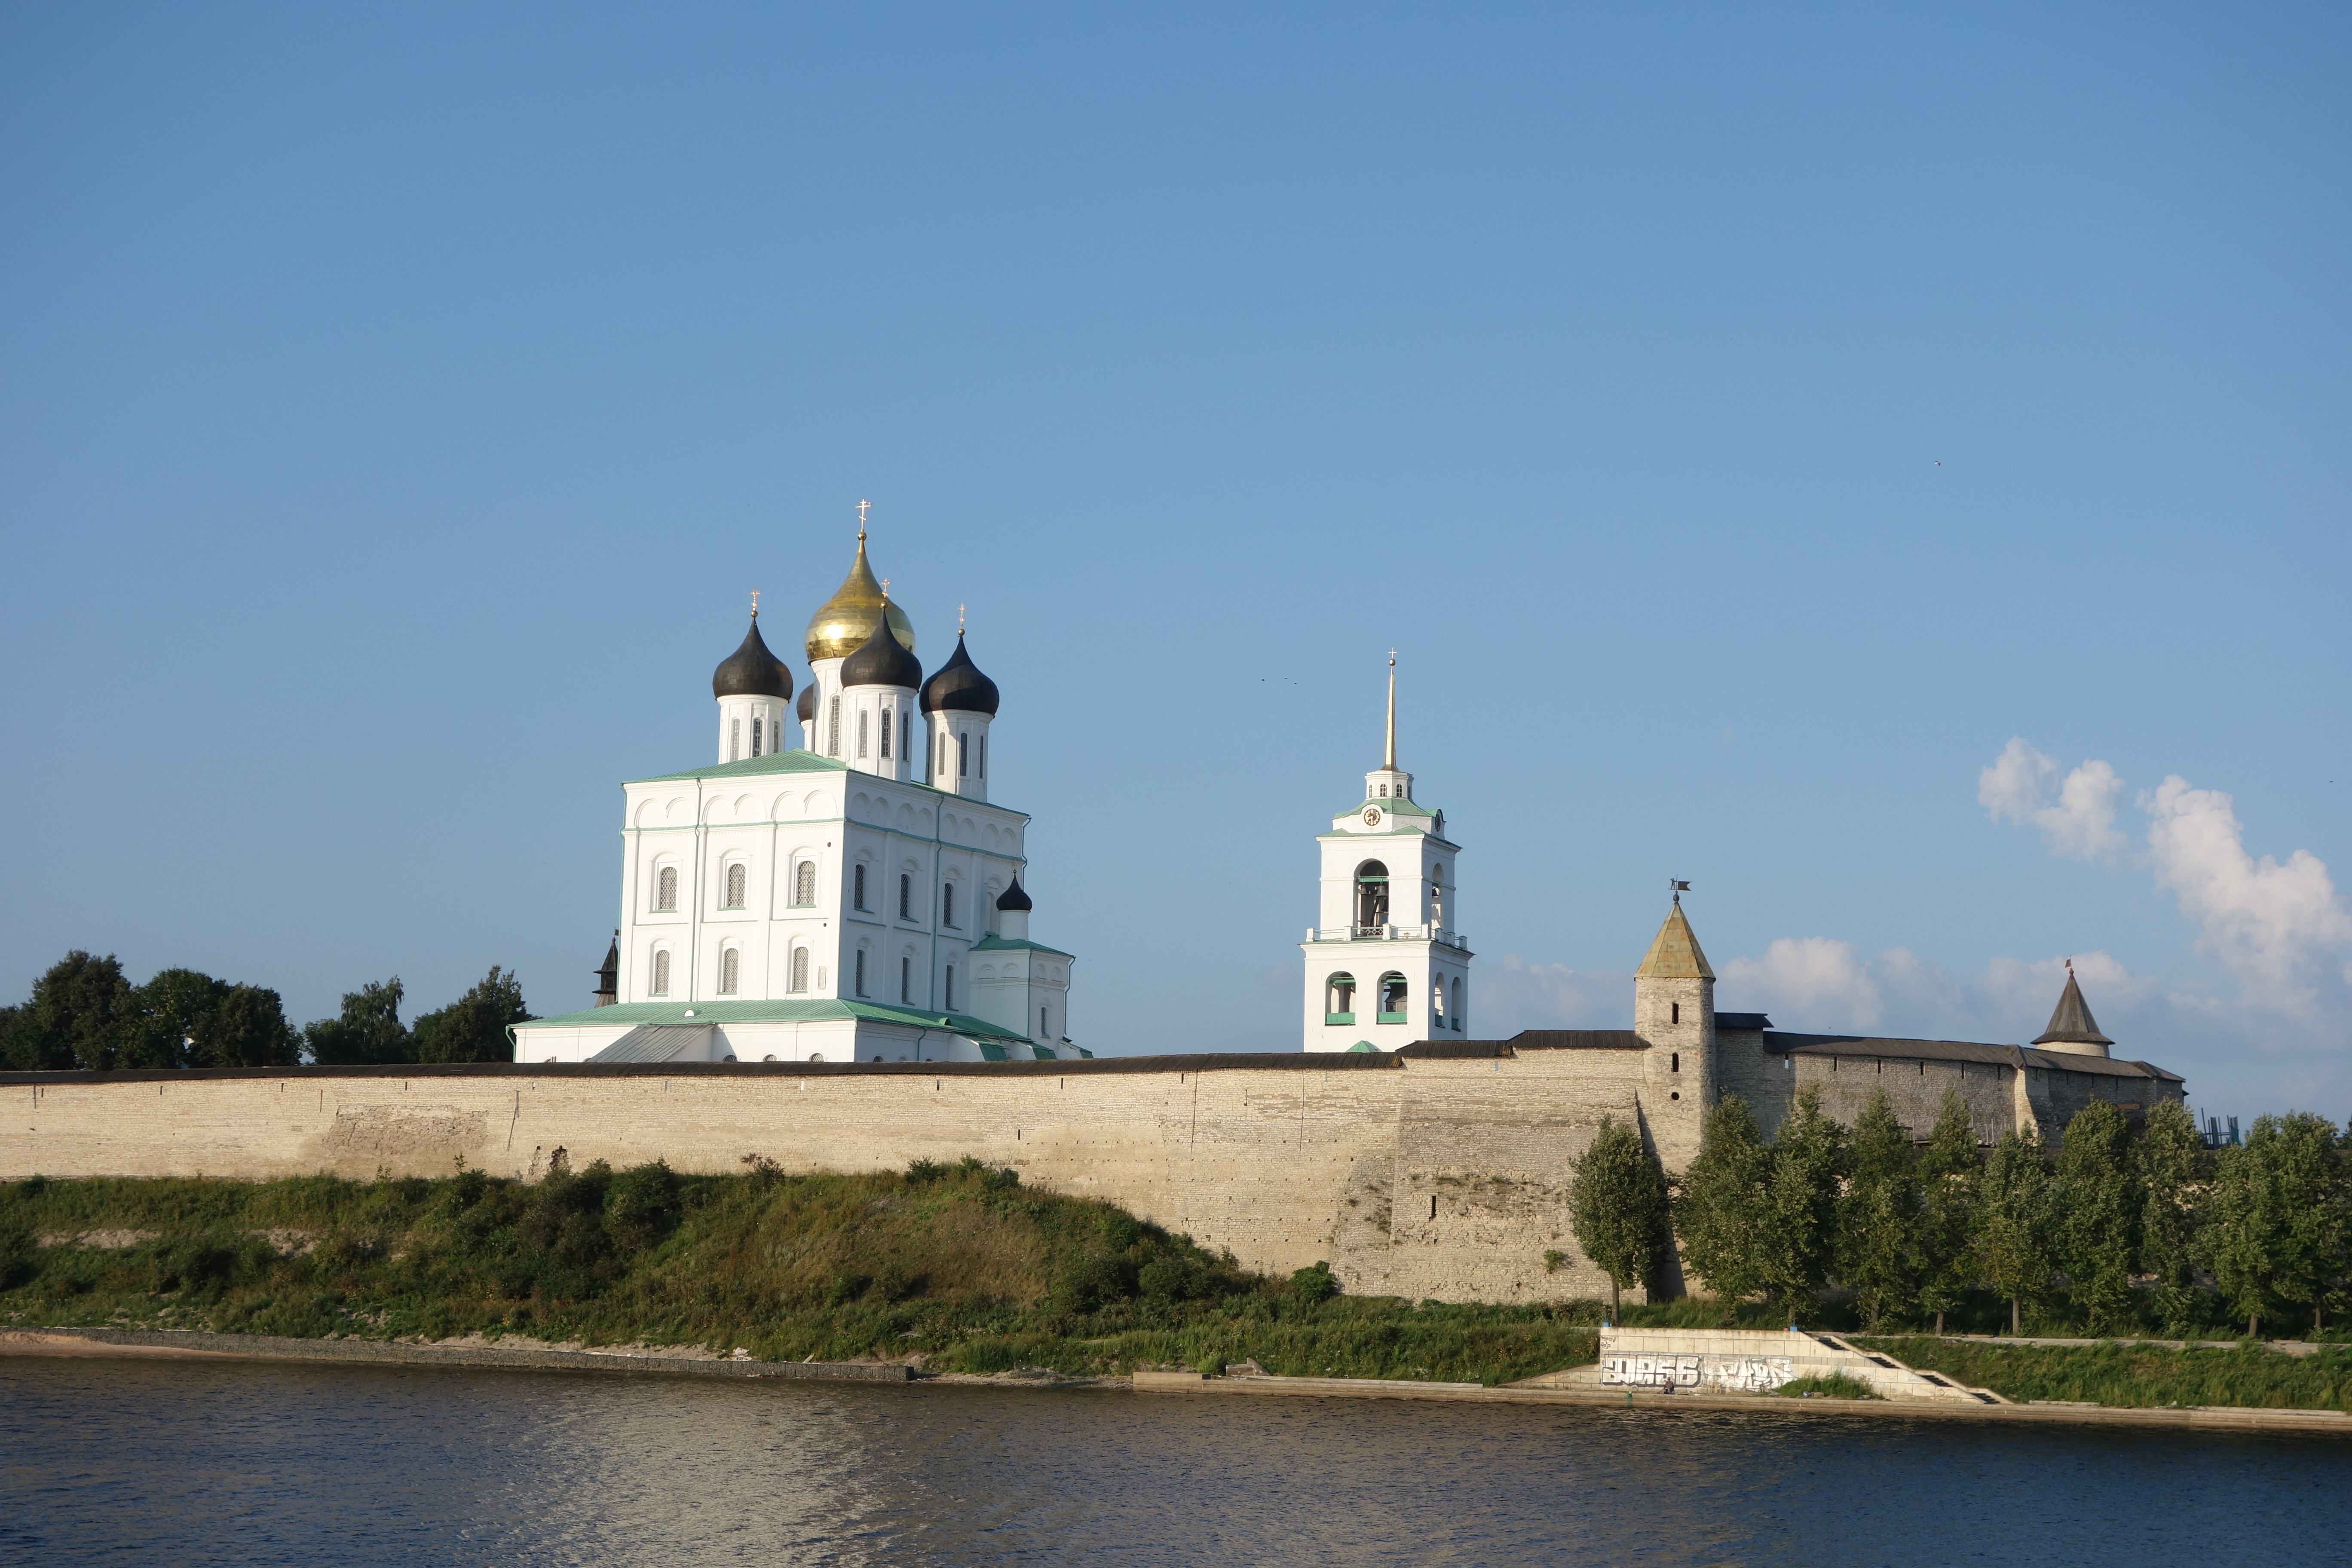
(185, 1344)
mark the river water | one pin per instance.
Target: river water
(128, 1461)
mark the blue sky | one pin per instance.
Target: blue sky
(1745, 426)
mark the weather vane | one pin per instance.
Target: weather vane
(1679, 887)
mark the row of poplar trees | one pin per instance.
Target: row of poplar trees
(2122, 1228)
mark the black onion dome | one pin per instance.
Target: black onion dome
(806, 709)
(882, 660)
(958, 685)
(751, 670)
(1013, 898)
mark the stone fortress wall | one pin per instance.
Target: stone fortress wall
(1441, 1171)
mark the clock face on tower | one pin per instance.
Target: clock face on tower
(1371, 816)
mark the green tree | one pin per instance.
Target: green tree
(368, 1032)
(2099, 1208)
(1878, 1217)
(2172, 1175)
(2014, 1223)
(1720, 1215)
(473, 1029)
(168, 1014)
(75, 1019)
(248, 1029)
(1801, 1204)
(2274, 1236)
(1617, 1206)
(1950, 1172)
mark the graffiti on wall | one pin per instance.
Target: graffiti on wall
(1699, 1374)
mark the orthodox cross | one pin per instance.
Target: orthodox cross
(755, 604)
(861, 518)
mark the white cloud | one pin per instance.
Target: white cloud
(2273, 925)
(1817, 978)
(2078, 822)
(1509, 995)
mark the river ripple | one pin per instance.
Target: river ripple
(104, 1461)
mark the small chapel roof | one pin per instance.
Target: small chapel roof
(2072, 1021)
(1675, 951)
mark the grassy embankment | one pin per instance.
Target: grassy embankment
(957, 1265)
(2143, 1375)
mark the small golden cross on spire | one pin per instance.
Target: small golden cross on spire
(861, 520)
(886, 587)
(755, 604)
(959, 620)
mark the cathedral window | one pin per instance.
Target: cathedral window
(1384, 792)
(800, 969)
(833, 727)
(983, 754)
(861, 971)
(865, 721)
(1393, 998)
(665, 887)
(885, 733)
(905, 980)
(757, 727)
(804, 884)
(905, 897)
(730, 969)
(948, 990)
(1339, 998)
(858, 898)
(661, 972)
(734, 739)
(905, 734)
(1045, 1027)
(963, 760)
(735, 881)
(946, 904)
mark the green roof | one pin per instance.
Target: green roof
(988, 943)
(635, 1013)
(1394, 805)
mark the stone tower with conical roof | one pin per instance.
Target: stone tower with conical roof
(1674, 1013)
(2072, 1028)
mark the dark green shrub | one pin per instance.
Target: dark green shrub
(1315, 1284)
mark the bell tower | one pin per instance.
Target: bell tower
(1385, 965)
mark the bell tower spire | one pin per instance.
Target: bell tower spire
(1388, 757)
(1389, 781)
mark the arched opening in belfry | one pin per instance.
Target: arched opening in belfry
(1393, 998)
(1339, 998)
(1371, 894)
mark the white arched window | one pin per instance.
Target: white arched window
(948, 990)
(906, 979)
(857, 887)
(756, 731)
(946, 904)
(905, 734)
(661, 972)
(964, 760)
(800, 969)
(885, 733)
(804, 884)
(833, 727)
(1437, 895)
(861, 971)
(865, 721)
(983, 756)
(1339, 998)
(905, 897)
(735, 883)
(665, 887)
(1044, 1024)
(1394, 992)
(1460, 1020)
(734, 739)
(1437, 1003)
(730, 971)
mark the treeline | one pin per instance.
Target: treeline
(2119, 1233)
(83, 1014)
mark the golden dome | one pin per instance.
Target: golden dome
(843, 623)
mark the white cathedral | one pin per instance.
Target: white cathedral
(858, 898)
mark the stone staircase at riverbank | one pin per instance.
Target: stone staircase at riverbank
(1748, 1361)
